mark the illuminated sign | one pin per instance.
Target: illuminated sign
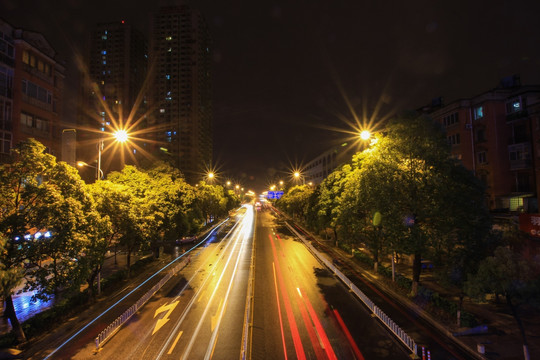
(274, 194)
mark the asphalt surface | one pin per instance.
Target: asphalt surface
(302, 311)
(299, 310)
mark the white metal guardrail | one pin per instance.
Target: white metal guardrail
(110, 330)
(385, 319)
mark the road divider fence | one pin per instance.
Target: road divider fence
(385, 319)
(110, 330)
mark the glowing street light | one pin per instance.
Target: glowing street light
(210, 176)
(228, 183)
(365, 135)
(121, 135)
(83, 164)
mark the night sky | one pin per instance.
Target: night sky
(288, 73)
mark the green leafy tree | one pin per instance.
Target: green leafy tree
(328, 206)
(21, 195)
(428, 202)
(75, 226)
(295, 201)
(211, 201)
(507, 273)
(135, 225)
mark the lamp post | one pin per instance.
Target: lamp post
(297, 177)
(98, 170)
(121, 136)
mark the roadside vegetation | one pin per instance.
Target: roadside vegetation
(55, 230)
(405, 196)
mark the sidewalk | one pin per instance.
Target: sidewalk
(26, 309)
(503, 340)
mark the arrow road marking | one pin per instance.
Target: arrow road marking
(162, 321)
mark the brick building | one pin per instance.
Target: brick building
(31, 90)
(496, 134)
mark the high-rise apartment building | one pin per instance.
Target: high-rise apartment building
(112, 92)
(181, 94)
(31, 90)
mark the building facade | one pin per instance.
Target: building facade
(31, 90)
(496, 135)
(320, 167)
(180, 55)
(113, 95)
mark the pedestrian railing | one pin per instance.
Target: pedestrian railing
(110, 330)
(385, 319)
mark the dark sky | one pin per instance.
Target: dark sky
(284, 69)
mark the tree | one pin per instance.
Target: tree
(427, 200)
(508, 274)
(328, 205)
(134, 225)
(21, 195)
(295, 201)
(74, 224)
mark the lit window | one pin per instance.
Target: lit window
(513, 106)
(168, 77)
(478, 112)
(26, 57)
(168, 38)
(102, 129)
(162, 111)
(104, 37)
(104, 52)
(104, 62)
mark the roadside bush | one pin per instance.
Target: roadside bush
(404, 282)
(363, 258)
(385, 271)
(7, 340)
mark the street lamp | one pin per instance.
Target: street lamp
(297, 175)
(121, 136)
(83, 164)
(365, 135)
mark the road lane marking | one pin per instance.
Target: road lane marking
(348, 335)
(279, 312)
(298, 347)
(194, 298)
(162, 321)
(320, 330)
(214, 318)
(313, 335)
(175, 342)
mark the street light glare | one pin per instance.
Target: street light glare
(296, 174)
(81, 163)
(210, 175)
(121, 136)
(365, 135)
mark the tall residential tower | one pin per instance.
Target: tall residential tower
(181, 94)
(113, 94)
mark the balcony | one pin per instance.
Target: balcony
(520, 156)
(516, 115)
